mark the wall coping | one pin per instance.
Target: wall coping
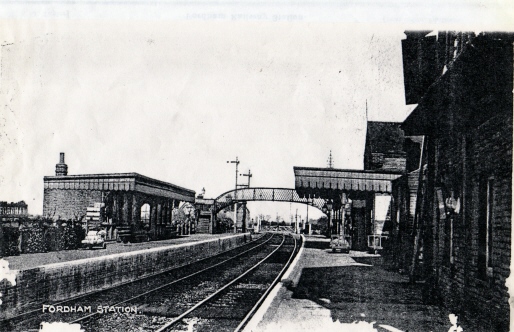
(128, 254)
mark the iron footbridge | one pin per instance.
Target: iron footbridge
(264, 194)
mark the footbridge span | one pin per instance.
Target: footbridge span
(207, 209)
(263, 194)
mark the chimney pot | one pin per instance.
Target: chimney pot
(61, 169)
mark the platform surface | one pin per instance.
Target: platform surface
(27, 261)
(328, 291)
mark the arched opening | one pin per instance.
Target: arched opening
(145, 215)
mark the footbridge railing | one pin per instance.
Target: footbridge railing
(264, 194)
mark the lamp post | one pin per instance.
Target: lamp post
(235, 194)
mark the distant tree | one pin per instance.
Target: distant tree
(323, 225)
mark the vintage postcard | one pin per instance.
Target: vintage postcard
(247, 166)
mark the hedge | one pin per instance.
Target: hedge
(32, 240)
(10, 245)
(38, 236)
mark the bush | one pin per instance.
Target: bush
(33, 240)
(39, 236)
(11, 241)
(80, 233)
(69, 238)
(52, 239)
(70, 235)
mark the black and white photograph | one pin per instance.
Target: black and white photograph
(256, 166)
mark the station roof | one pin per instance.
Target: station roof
(478, 80)
(119, 182)
(384, 137)
(319, 182)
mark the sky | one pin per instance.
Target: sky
(175, 100)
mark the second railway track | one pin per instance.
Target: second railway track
(216, 301)
(227, 289)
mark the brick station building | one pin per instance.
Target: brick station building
(450, 216)
(458, 211)
(129, 200)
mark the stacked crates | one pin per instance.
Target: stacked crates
(95, 216)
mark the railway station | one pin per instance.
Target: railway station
(418, 239)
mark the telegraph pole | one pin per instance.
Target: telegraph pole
(235, 193)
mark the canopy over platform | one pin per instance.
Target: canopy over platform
(132, 182)
(328, 182)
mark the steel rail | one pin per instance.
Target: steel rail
(210, 297)
(35, 311)
(175, 281)
(257, 305)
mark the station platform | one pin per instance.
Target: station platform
(28, 261)
(325, 291)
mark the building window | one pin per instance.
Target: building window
(145, 214)
(485, 228)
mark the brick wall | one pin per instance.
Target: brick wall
(68, 204)
(60, 281)
(463, 161)
(466, 115)
(492, 148)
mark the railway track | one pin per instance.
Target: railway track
(209, 301)
(199, 294)
(31, 318)
(232, 306)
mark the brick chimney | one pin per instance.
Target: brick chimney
(61, 169)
